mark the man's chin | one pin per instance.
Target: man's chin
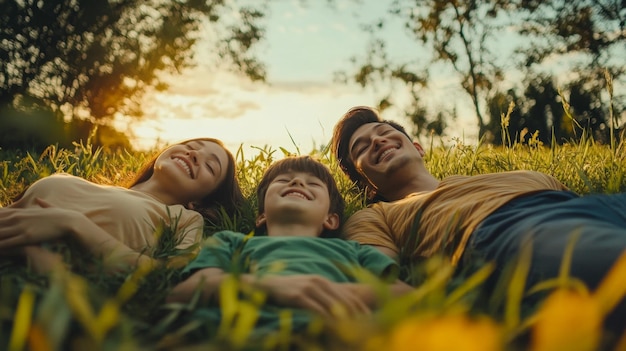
(394, 164)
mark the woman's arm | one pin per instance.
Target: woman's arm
(28, 226)
(114, 254)
(42, 260)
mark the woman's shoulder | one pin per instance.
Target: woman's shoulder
(62, 177)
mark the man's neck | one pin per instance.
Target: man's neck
(422, 183)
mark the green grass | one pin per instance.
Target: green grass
(127, 311)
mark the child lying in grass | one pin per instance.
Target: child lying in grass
(300, 264)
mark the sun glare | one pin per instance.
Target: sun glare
(298, 120)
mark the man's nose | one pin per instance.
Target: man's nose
(378, 141)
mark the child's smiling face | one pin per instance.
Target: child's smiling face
(297, 197)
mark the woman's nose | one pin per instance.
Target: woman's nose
(193, 155)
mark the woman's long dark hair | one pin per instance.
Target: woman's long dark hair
(227, 195)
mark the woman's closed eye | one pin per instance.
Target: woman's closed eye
(210, 168)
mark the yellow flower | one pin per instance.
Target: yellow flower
(454, 332)
(568, 320)
(375, 343)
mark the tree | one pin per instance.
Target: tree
(586, 108)
(587, 38)
(463, 35)
(96, 58)
(595, 29)
(539, 111)
(456, 32)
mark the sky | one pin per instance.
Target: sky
(299, 104)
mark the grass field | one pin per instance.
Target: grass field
(86, 310)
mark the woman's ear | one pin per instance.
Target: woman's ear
(331, 222)
(260, 220)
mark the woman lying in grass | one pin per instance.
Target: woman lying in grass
(175, 190)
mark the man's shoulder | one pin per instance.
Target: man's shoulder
(459, 178)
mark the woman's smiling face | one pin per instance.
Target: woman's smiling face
(194, 169)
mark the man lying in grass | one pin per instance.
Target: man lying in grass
(475, 219)
(300, 264)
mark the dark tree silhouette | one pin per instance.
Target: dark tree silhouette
(96, 58)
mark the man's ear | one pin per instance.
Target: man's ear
(331, 222)
(260, 220)
(419, 148)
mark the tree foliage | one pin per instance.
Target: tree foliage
(458, 33)
(95, 58)
(594, 28)
(539, 110)
(585, 36)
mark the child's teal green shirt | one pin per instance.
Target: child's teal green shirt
(286, 255)
(334, 259)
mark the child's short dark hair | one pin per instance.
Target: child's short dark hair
(306, 164)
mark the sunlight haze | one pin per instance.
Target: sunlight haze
(299, 104)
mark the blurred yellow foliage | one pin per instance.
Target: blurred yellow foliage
(456, 332)
(568, 320)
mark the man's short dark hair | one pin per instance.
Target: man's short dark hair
(343, 131)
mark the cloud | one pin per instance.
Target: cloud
(196, 106)
(313, 28)
(192, 87)
(232, 110)
(309, 87)
(340, 27)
